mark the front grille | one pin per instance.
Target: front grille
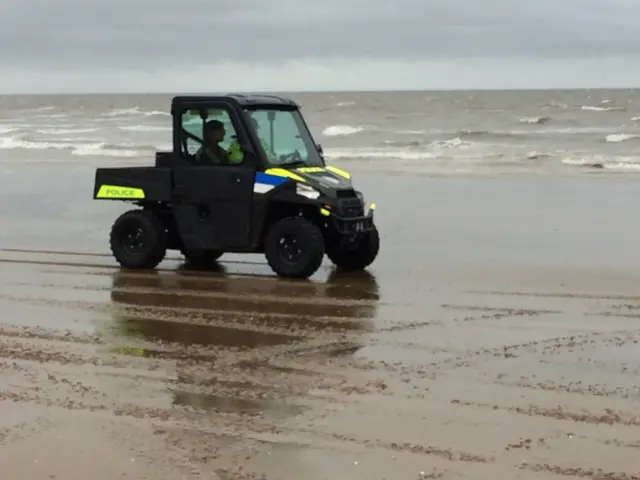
(346, 193)
(351, 207)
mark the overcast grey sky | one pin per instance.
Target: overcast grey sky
(200, 45)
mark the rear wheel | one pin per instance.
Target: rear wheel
(294, 247)
(138, 240)
(360, 256)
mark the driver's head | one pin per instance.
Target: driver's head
(255, 123)
(214, 132)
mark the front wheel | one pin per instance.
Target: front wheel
(361, 255)
(294, 247)
(138, 240)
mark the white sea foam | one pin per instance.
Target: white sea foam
(535, 120)
(590, 108)
(367, 153)
(104, 149)
(123, 112)
(452, 143)
(145, 128)
(12, 143)
(81, 147)
(620, 163)
(341, 130)
(620, 137)
(65, 131)
(635, 119)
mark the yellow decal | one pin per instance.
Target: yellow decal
(338, 171)
(325, 212)
(282, 172)
(310, 169)
(114, 191)
(372, 206)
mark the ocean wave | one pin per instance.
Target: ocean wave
(590, 108)
(537, 155)
(452, 143)
(366, 153)
(491, 134)
(4, 130)
(79, 147)
(620, 137)
(400, 143)
(635, 119)
(554, 105)
(124, 112)
(535, 120)
(411, 132)
(65, 131)
(604, 163)
(17, 143)
(345, 104)
(111, 150)
(145, 128)
(341, 130)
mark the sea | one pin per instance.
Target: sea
(553, 132)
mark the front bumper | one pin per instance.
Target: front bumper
(354, 225)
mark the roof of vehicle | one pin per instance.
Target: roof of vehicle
(244, 100)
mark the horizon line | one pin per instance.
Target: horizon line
(320, 91)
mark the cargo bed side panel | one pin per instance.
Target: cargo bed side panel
(133, 183)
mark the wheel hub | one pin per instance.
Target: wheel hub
(133, 240)
(289, 248)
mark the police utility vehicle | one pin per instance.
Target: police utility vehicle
(275, 195)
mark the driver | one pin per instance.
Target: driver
(211, 151)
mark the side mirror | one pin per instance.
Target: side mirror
(320, 151)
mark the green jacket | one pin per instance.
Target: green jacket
(236, 155)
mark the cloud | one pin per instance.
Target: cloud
(158, 35)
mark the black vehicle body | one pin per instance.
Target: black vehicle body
(229, 208)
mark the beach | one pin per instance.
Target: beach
(495, 336)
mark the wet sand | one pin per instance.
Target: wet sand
(495, 337)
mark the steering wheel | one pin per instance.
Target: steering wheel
(291, 157)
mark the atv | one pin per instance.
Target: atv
(272, 193)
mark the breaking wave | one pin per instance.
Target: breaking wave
(65, 131)
(132, 111)
(535, 120)
(590, 108)
(629, 164)
(620, 137)
(145, 128)
(341, 130)
(78, 147)
(367, 153)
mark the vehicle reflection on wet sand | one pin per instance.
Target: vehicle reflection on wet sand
(238, 326)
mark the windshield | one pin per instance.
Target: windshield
(285, 138)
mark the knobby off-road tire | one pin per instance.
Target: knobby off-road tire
(294, 247)
(359, 257)
(138, 240)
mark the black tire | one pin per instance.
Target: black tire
(138, 240)
(361, 256)
(294, 247)
(202, 258)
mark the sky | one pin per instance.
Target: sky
(300, 45)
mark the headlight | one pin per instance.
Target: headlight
(307, 191)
